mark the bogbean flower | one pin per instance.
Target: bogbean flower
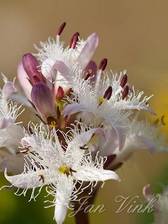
(108, 101)
(48, 163)
(140, 135)
(10, 131)
(46, 76)
(90, 123)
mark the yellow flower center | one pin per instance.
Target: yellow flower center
(101, 100)
(53, 124)
(65, 170)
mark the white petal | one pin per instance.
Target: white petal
(27, 180)
(5, 122)
(11, 136)
(8, 89)
(88, 50)
(20, 99)
(60, 213)
(46, 68)
(63, 69)
(63, 196)
(31, 179)
(72, 109)
(109, 143)
(94, 174)
(121, 136)
(23, 80)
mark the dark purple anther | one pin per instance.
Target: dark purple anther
(61, 29)
(125, 92)
(74, 40)
(90, 70)
(103, 64)
(108, 93)
(124, 80)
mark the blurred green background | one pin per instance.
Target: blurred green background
(133, 36)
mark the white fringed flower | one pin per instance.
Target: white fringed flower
(106, 102)
(10, 131)
(57, 62)
(47, 163)
(88, 116)
(140, 135)
(107, 96)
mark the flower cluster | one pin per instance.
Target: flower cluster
(88, 121)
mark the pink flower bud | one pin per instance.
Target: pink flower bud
(31, 66)
(43, 100)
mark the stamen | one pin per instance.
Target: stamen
(90, 70)
(124, 80)
(125, 92)
(84, 147)
(74, 40)
(41, 178)
(61, 28)
(51, 121)
(102, 67)
(88, 74)
(65, 170)
(101, 100)
(60, 93)
(108, 93)
(103, 64)
(24, 151)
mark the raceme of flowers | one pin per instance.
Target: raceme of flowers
(87, 124)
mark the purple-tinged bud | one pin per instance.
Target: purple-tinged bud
(60, 93)
(61, 28)
(43, 99)
(90, 70)
(74, 40)
(31, 66)
(108, 93)
(103, 64)
(125, 92)
(124, 80)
